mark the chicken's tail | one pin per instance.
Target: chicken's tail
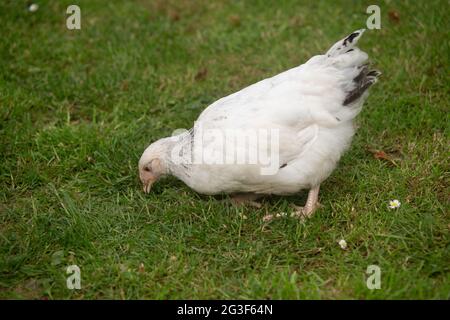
(362, 82)
(352, 63)
(345, 45)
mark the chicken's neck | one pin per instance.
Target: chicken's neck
(179, 156)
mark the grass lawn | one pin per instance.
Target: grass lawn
(78, 107)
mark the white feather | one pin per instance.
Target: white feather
(305, 104)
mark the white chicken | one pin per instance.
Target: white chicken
(301, 118)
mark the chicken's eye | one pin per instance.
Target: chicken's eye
(147, 169)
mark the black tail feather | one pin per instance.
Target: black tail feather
(363, 82)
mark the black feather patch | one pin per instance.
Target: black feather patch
(350, 38)
(363, 82)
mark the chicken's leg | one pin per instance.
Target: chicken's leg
(311, 205)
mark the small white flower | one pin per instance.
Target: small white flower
(268, 217)
(343, 244)
(394, 204)
(33, 7)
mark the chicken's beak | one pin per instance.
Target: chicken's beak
(148, 186)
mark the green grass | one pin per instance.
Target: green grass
(77, 108)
